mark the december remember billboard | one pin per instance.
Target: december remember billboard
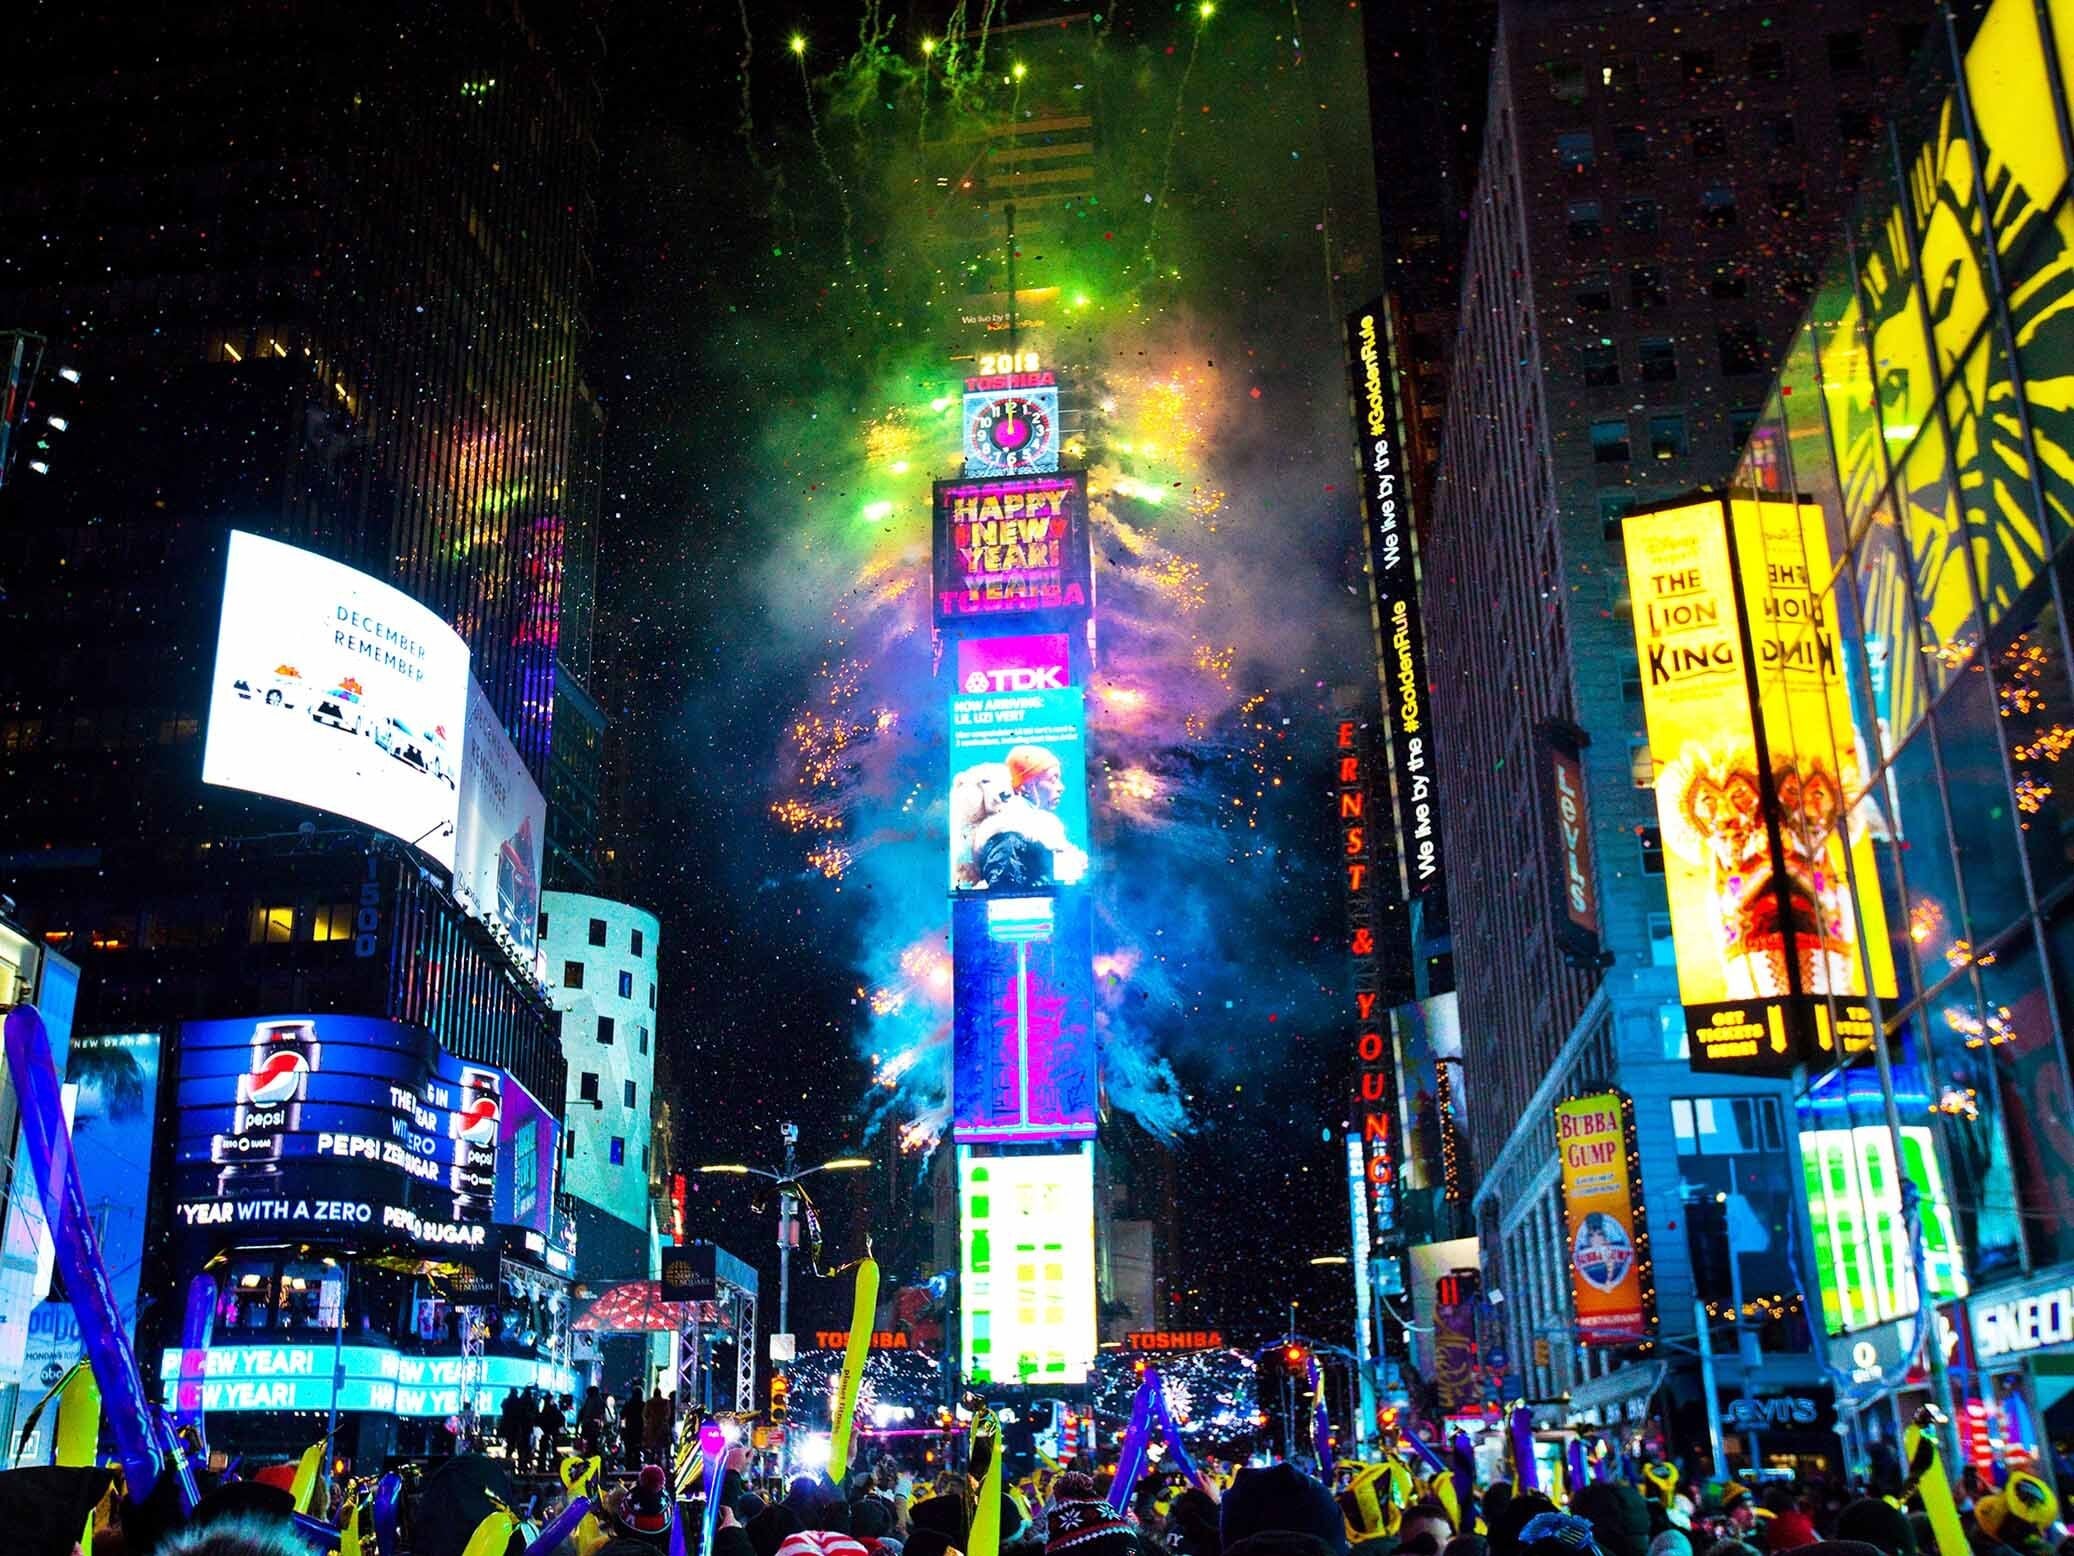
(1018, 768)
(333, 689)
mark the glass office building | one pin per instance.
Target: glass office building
(1926, 402)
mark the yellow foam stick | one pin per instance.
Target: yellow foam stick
(349, 1530)
(493, 1534)
(1933, 1487)
(985, 1537)
(1444, 1493)
(306, 1469)
(864, 1308)
(1662, 1479)
(79, 1419)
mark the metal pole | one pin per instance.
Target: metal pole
(338, 1372)
(1022, 1023)
(1703, 1326)
(1746, 1343)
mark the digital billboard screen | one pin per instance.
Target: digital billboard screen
(1012, 548)
(333, 689)
(1759, 799)
(501, 828)
(1018, 769)
(1610, 1280)
(243, 1378)
(1864, 1253)
(1022, 1028)
(1026, 1237)
(341, 1127)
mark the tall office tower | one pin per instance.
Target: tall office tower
(317, 276)
(1649, 212)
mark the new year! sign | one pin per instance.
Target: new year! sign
(1011, 549)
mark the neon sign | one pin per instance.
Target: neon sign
(1374, 1068)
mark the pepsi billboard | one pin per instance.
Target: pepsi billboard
(1018, 767)
(344, 1128)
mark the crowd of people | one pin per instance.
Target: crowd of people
(537, 1427)
(879, 1509)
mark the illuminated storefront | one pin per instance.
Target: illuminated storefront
(1926, 407)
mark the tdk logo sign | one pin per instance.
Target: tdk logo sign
(1017, 679)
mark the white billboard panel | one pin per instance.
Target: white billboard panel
(1027, 1244)
(502, 829)
(335, 690)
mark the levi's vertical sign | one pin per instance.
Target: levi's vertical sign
(1394, 569)
(1576, 888)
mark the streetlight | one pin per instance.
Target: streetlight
(787, 1177)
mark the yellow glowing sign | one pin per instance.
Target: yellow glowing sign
(1762, 827)
(992, 362)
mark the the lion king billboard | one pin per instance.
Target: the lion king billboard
(1759, 780)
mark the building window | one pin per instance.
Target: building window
(1854, 124)
(1652, 841)
(637, 942)
(1778, 131)
(1846, 53)
(597, 931)
(1908, 37)
(1601, 363)
(1646, 287)
(1613, 507)
(1641, 766)
(1584, 219)
(1741, 347)
(1631, 144)
(1642, 216)
(1696, 65)
(273, 925)
(1610, 441)
(1574, 149)
(542, 926)
(332, 921)
(1729, 284)
(1567, 80)
(1767, 60)
(619, 1151)
(1594, 294)
(608, 1030)
(644, 1158)
(572, 975)
(651, 996)
(1718, 206)
(626, 985)
(630, 1093)
(1741, 423)
(1667, 435)
(569, 1141)
(1787, 200)
(1663, 949)
(1709, 140)
(1659, 361)
(644, 1038)
(587, 1088)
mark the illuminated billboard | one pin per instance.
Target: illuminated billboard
(1018, 768)
(1022, 1028)
(501, 830)
(335, 690)
(1013, 548)
(244, 1378)
(1574, 881)
(1394, 570)
(345, 1128)
(1011, 423)
(1026, 1237)
(1863, 1259)
(1604, 1223)
(1761, 816)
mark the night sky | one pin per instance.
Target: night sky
(763, 647)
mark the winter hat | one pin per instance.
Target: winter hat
(1672, 1542)
(1089, 1528)
(43, 1509)
(1073, 1486)
(1789, 1531)
(949, 1516)
(643, 1509)
(820, 1542)
(1877, 1522)
(1027, 762)
(1618, 1516)
(1281, 1497)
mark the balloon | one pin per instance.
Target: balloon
(1933, 1487)
(1130, 1457)
(388, 1515)
(197, 1328)
(985, 1538)
(79, 1418)
(863, 1312)
(560, 1527)
(713, 1451)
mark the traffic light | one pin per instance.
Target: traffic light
(1540, 1353)
(781, 1397)
(1295, 1354)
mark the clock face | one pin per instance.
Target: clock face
(1009, 433)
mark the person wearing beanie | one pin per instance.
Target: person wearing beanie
(238, 1536)
(1618, 1516)
(1089, 1529)
(640, 1513)
(1502, 1527)
(1280, 1497)
(1192, 1524)
(1789, 1530)
(948, 1514)
(1879, 1523)
(1671, 1542)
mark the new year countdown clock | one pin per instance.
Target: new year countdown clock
(1011, 431)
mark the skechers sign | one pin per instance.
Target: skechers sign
(2039, 1320)
(342, 1127)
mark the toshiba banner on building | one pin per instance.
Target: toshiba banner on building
(1612, 1285)
(1761, 815)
